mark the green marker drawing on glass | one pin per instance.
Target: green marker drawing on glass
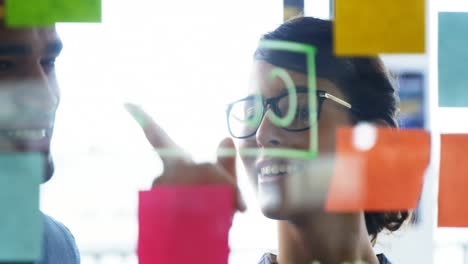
(285, 121)
(255, 120)
(255, 110)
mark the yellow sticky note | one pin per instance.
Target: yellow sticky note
(371, 27)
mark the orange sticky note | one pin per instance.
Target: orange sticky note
(185, 224)
(453, 181)
(384, 174)
(370, 27)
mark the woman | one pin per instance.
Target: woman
(349, 90)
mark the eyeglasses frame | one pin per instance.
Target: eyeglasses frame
(273, 102)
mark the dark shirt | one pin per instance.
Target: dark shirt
(271, 259)
(58, 245)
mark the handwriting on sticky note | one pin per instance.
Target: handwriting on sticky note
(452, 59)
(185, 224)
(453, 209)
(21, 224)
(384, 176)
(21, 13)
(369, 27)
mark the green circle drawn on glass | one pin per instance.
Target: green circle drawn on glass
(291, 87)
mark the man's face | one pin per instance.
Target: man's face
(29, 93)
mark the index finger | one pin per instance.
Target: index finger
(166, 148)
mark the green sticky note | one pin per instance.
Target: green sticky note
(25, 13)
(30, 13)
(453, 55)
(76, 10)
(21, 226)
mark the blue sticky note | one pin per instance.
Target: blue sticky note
(21, 226)
(453, 55)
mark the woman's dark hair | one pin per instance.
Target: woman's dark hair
(364, 81)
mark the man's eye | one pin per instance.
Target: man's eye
(6, 65)
(48, 64)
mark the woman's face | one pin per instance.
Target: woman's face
(288, 187)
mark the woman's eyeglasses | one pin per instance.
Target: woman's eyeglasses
(245, 115)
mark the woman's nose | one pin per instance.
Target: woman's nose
(268, 134)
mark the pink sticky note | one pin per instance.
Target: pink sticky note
(185, 224)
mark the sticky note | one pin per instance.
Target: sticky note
(21, 225)
(369, 27)
(185, 224)
(76, 10)
(453, 181)
(453, 56)
(23, 13)
(378, 169)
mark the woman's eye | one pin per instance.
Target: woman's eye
(250, 113)
(6, 65)
(302, 114)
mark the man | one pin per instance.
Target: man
(29, 97)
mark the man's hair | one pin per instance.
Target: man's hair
(364, 81)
